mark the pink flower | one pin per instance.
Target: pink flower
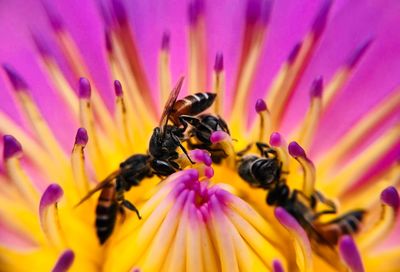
(310, 94)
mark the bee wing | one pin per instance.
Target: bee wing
(170, 104)
(98, 187)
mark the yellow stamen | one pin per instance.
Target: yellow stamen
(136, 103)
(43, 132)
(310, 123)
(218, 83)
(125, 131)
(354, 170)
(334, 156)
(337, 82)
(79, 68)
(286, 81)
(95, 154)
(164, 75)
(22, 181)
(62, 86)
(382, 227)
(78, 169)
(33, 151)
(237, 119)
(197, 57)
(226, 250)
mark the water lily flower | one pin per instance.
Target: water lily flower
(308, 89)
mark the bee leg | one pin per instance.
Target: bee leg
(266, 149)
(178, 142)
(186, 120)
(131, 207)
(244, 151)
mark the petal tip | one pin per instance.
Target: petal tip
(350, 254)
(118, 88)
(219, 62)
(275, 139)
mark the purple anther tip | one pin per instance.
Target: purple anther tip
(51, 195)
(53, 16)
(295, 150)
(118, 88)
(219, 62)
(16, 80)
(320, 20)
(119, 11)
(390, 196)
(277, 266)
(275, 139)
(165, 41)
(349, 254)
(81, 137)
(209, 172)
(84, 88)
(218, 136)
(64, 262)
(41, 44)
(195, 11)
(293, 54)
(266, 11)
(201, 156)
(260, 105)
(316, 87)
(11, 147)
(108, 41)
(253, 11)
(357, 54)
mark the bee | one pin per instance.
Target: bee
(111, 200)
(201, 129)
(160, 160)
(265, 172)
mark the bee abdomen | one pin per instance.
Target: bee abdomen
(106, 213)
(193, 105)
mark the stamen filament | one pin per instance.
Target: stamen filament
(224, 243)
(218, 84)
(197, 47)
(301, 243)
(310, 123)
(121, 117)
(355, 169)
(48, 214)
(386, 221)
(87, 121)
(356, 135)
(164, 68)
(12, 153)
(78, 163)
